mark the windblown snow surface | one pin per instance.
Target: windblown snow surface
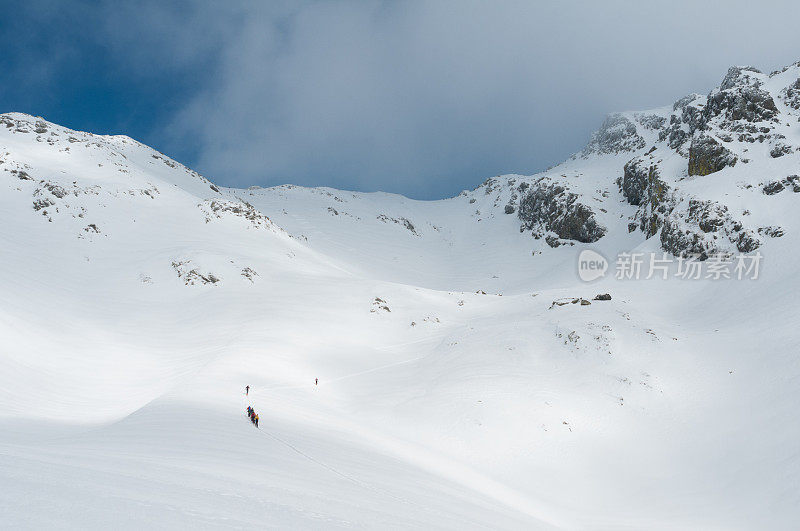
(137, 300)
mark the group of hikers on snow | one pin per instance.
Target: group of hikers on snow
(253, 415)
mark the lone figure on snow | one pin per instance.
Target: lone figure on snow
(247, 390)
(316, 381)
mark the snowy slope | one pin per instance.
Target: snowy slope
(139, 299)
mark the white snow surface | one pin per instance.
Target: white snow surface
(137, 300)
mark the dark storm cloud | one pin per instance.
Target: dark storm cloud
(421, 98)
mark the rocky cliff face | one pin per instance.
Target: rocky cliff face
(662, 161)
(707, 155)
(642, 186)
(547, 207)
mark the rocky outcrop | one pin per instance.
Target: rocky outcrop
(218, 209)
(791, 95)
(775, 187)
(642, 186)
(640, 183)
(707, 156)
(402, 221)
(779, 150)
(686, 118)
(747, 242)
(191, 275)
(750, 104)
(678, 242)
(650, 121)
(617, 134)
(739, 75)
(772, 232)
(707, 215)
(685, 226)
(548, 207)
(741, 109)
(703, 229)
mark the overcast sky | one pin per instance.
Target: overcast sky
(419, 98)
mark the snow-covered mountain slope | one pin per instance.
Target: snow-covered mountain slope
(455, 388)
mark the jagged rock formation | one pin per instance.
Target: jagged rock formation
(707, 156)
(617, 134)
(712, 134)
(686, 118)
(791, 95)
(548, 207)
(741, 124)
(216, 209)
(657, 160)
(642, 187)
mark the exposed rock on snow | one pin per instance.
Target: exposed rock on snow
(773, 188)
(570, 300)
(217, 209)
(191, 275)
(379, 305)
(642, 187)
(772, 232)
(686, 118)
(695, 230)
(617, 134)
(249, 274)
(707, 156)
(744, 102)
(548, 207)
(401, 221)
(791, 95)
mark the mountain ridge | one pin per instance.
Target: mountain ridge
(467, 377)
